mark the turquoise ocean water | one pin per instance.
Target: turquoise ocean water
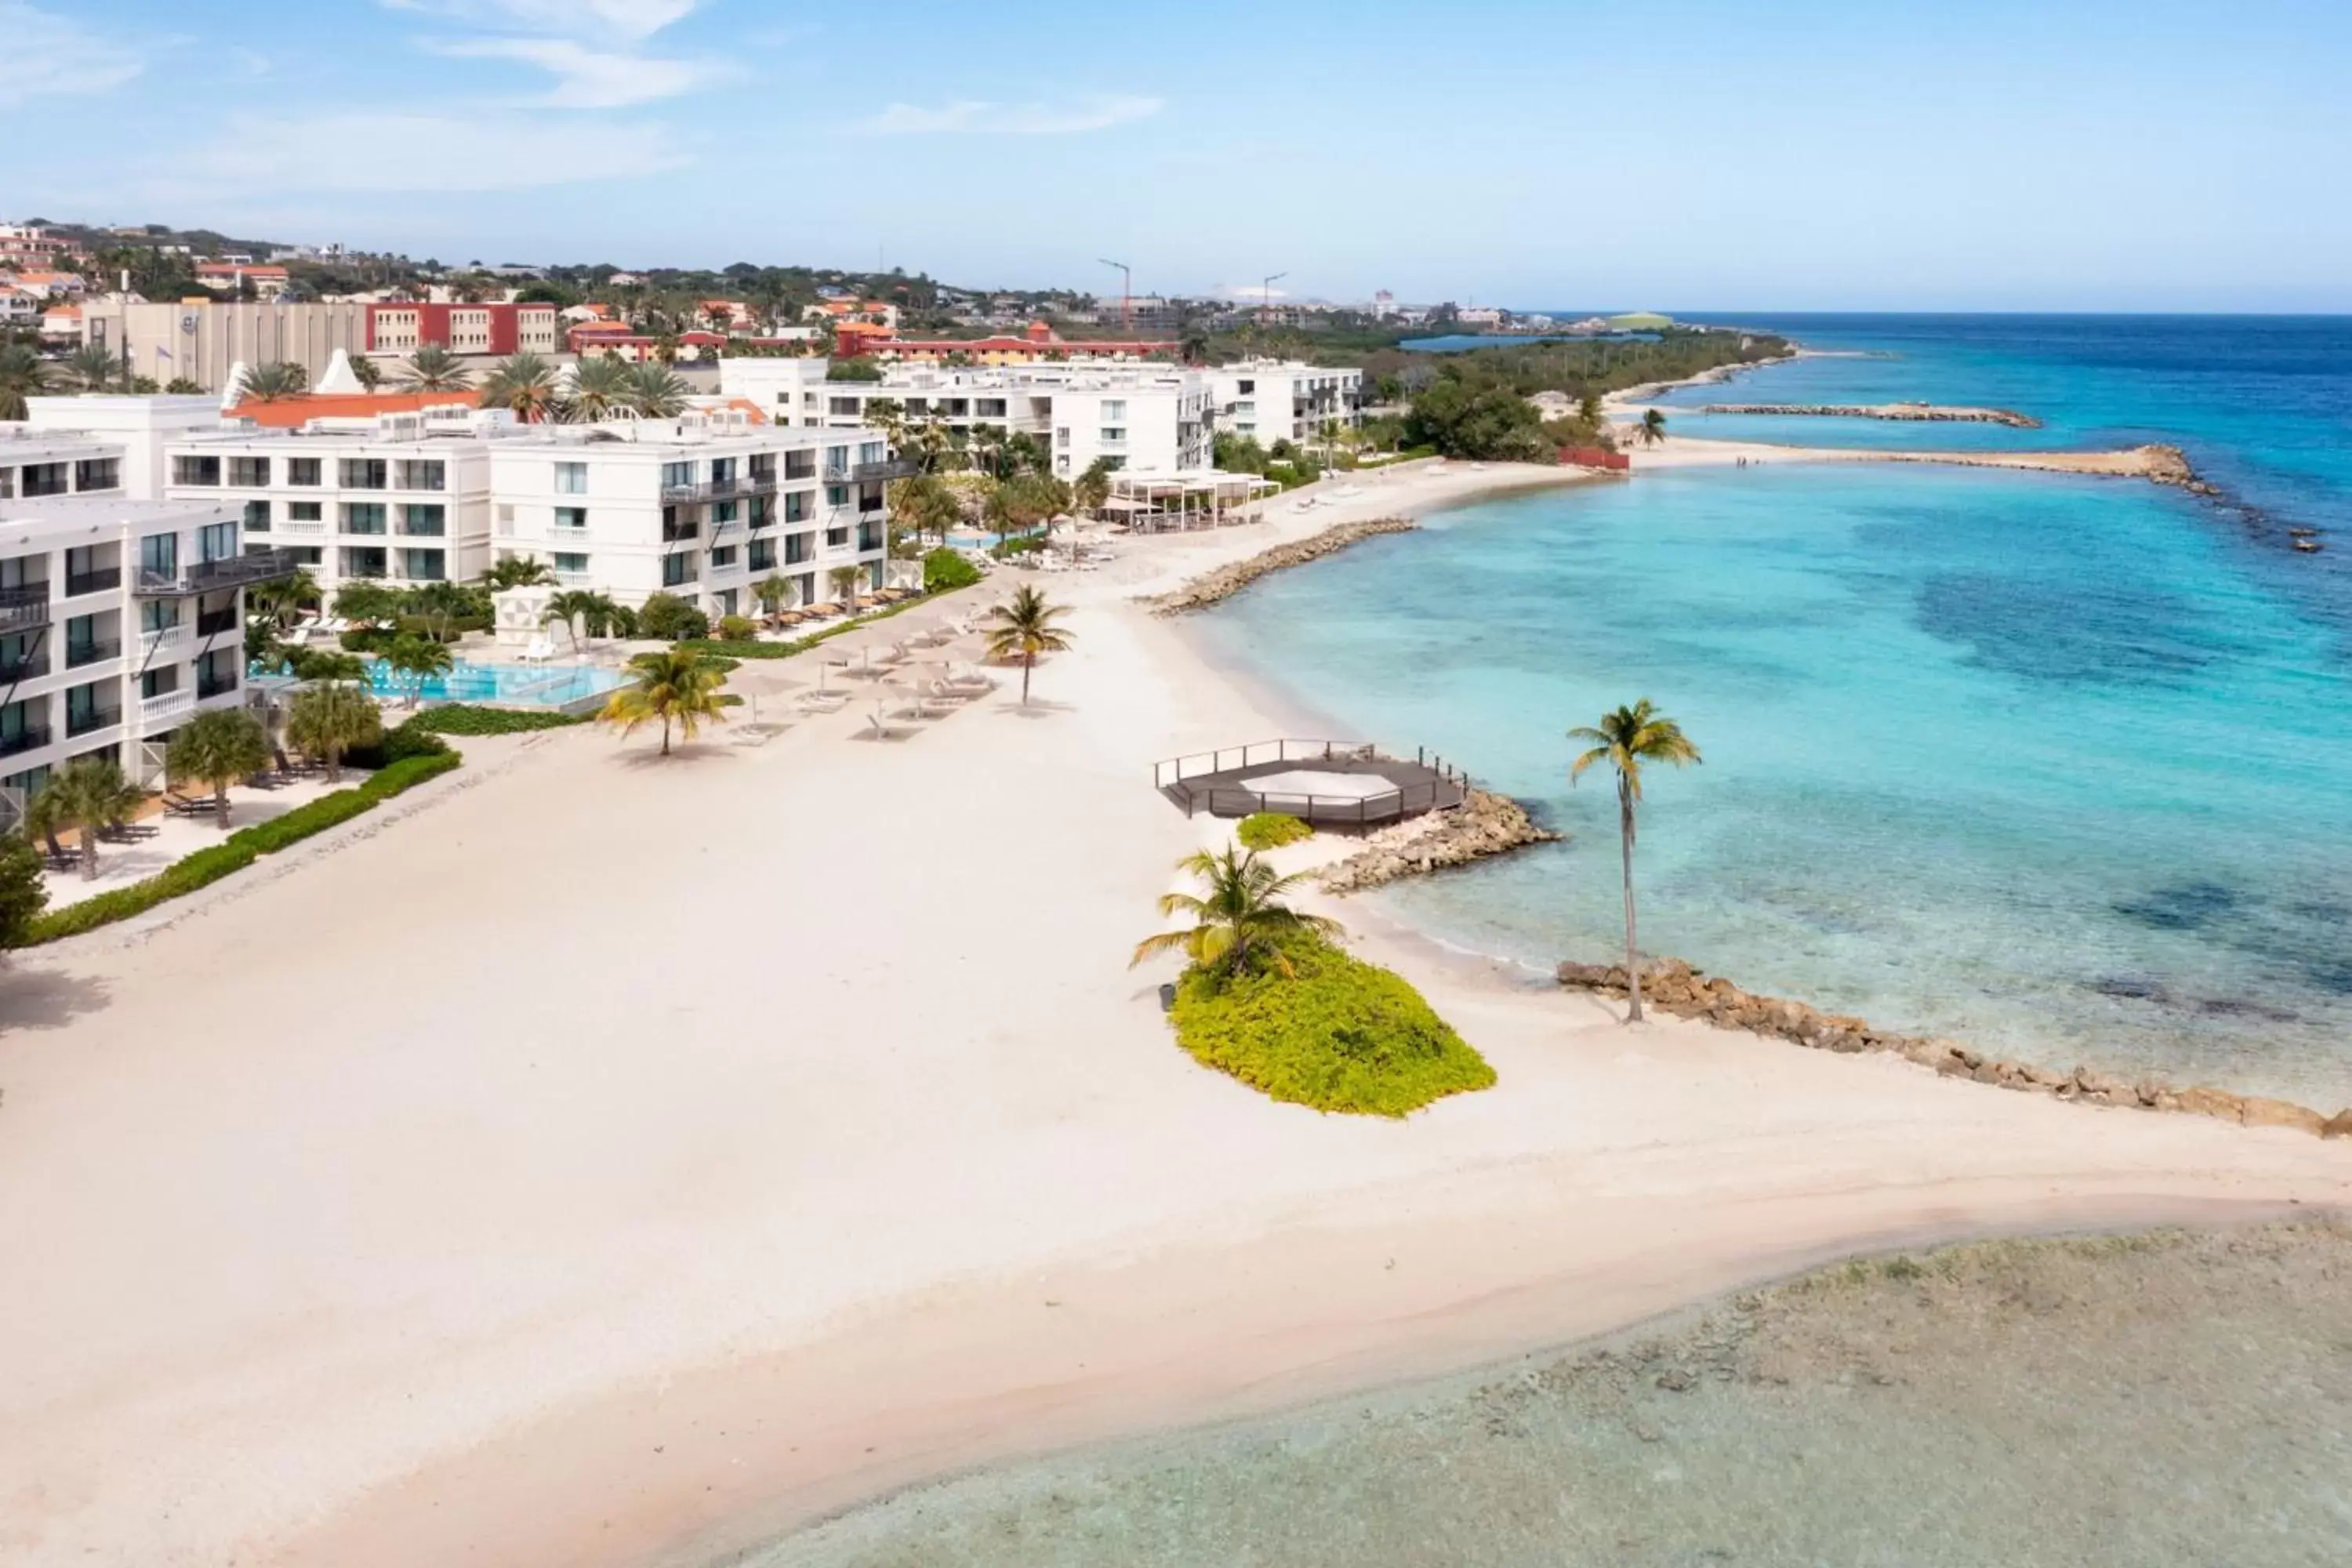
(2061, 766)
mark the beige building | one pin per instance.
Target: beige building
(199, 341)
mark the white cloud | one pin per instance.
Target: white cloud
(586, 78)
(974, 117)
(379, 153)
(46, 56)
(629, 19)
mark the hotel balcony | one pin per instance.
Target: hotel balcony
(78, 653)
(32, 666)
(165, 705)
(213, 577)
(896, 468)
(23, 608)
(104, 580)
(721, 489)
(31, 737)
(82, 723)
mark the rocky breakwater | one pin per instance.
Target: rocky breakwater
(1484, 824)
(1924, 413)
(1226, 580)
(1671, 985)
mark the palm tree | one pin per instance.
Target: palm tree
(673, 685)
(180, 386)
(417, 659)
(523, 382)
(92, 794)
(1654, 426)
(570, 608)
(21, 376)
(846, 581)
(218, 747)
(1025, 628)
(279, 602)
(1625, 739)
(276, 382)
(1092, 488)
(600, 387)
(518, 571)
(370, 373)
(327, 720)
(772, 591)
(439, 602)
(92, 368)
(1240, 916)
(656, 391)
(435, 369)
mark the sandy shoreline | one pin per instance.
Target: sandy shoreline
(616, 1163)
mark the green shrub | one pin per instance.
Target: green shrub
(1337, 1035)
(412, 739)
(368, 640)
(944, 568)
(463, 719)
(408, 773)
(671, 619)
(268, 837)
(1271, 830)
(1019, 544)
(737, 628)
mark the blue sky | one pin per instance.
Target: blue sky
(1794, 155)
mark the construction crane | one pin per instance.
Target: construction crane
(1126, 293)
(1265, 296)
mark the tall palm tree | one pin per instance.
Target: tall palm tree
(571, 608)
(518, 571)
(218, 747)
(1654, 426)
(327, 720)
(281, 601)
(275, 382)
(523, 382)
(1625, 739)
(435, 369)
(92, 368)
(21, 376)
(1025, 628)
(417, 659)
(656, 391)
(673, 685)
(92, 794)
(600, 387)
(1240, 916)
(439, 602)
(846, 581)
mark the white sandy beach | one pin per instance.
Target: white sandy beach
(600, 1161)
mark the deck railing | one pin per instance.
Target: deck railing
(1441, 785)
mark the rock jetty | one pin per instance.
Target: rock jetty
(1924, 413)
(1484, 824)
(1226, 580)
(1671, 985)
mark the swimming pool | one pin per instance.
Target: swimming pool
(531, 685)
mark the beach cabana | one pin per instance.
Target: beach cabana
(1186, 499)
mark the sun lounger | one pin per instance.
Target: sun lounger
(883, 729)
(822, 702)
(185, 805)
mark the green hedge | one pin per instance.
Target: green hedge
(1337, 1035)
(238, 850)
(1271, 830)
(947, 568)
(463, 719)
(799, 645)
(399, 743)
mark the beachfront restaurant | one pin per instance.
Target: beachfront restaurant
(1200, 498)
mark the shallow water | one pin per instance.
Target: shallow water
(2172, 1401)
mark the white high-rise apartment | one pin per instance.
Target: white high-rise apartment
(118, 618)
(1145, 418)
(701, 506)
(1283, 400)
(403, 499)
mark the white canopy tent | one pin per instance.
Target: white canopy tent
(1197, 498)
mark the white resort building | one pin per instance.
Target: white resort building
(118, 619)
(1283, 400)
(1151, 417)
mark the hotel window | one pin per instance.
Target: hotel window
(1245, 388)
(362, 517)
(724, 555)
(216, 541)
(423, 474)
(253, 473)
(572, 479)
(872, 452)
(836, 495)
(159, 681)
(676, 475)
(796, 505)
(677, 569)
(763, 555)
(7, 484)
(158, 615)
(843, 405)
(159, 556)
(302, 554)
(799, 465)
(722, 470)
(303, 470)
(572, 520)
(98, 474)
(565, 561)
(256, 516)
(184, 471)
(834, 538)
(361, 560)
(423, 566)
(799, 548)
(365, 473)
(722, 513)
(1062, 436)
(1112, 435)
(426, 518)
(991, 409)
(305, 511)
(1114, 408)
